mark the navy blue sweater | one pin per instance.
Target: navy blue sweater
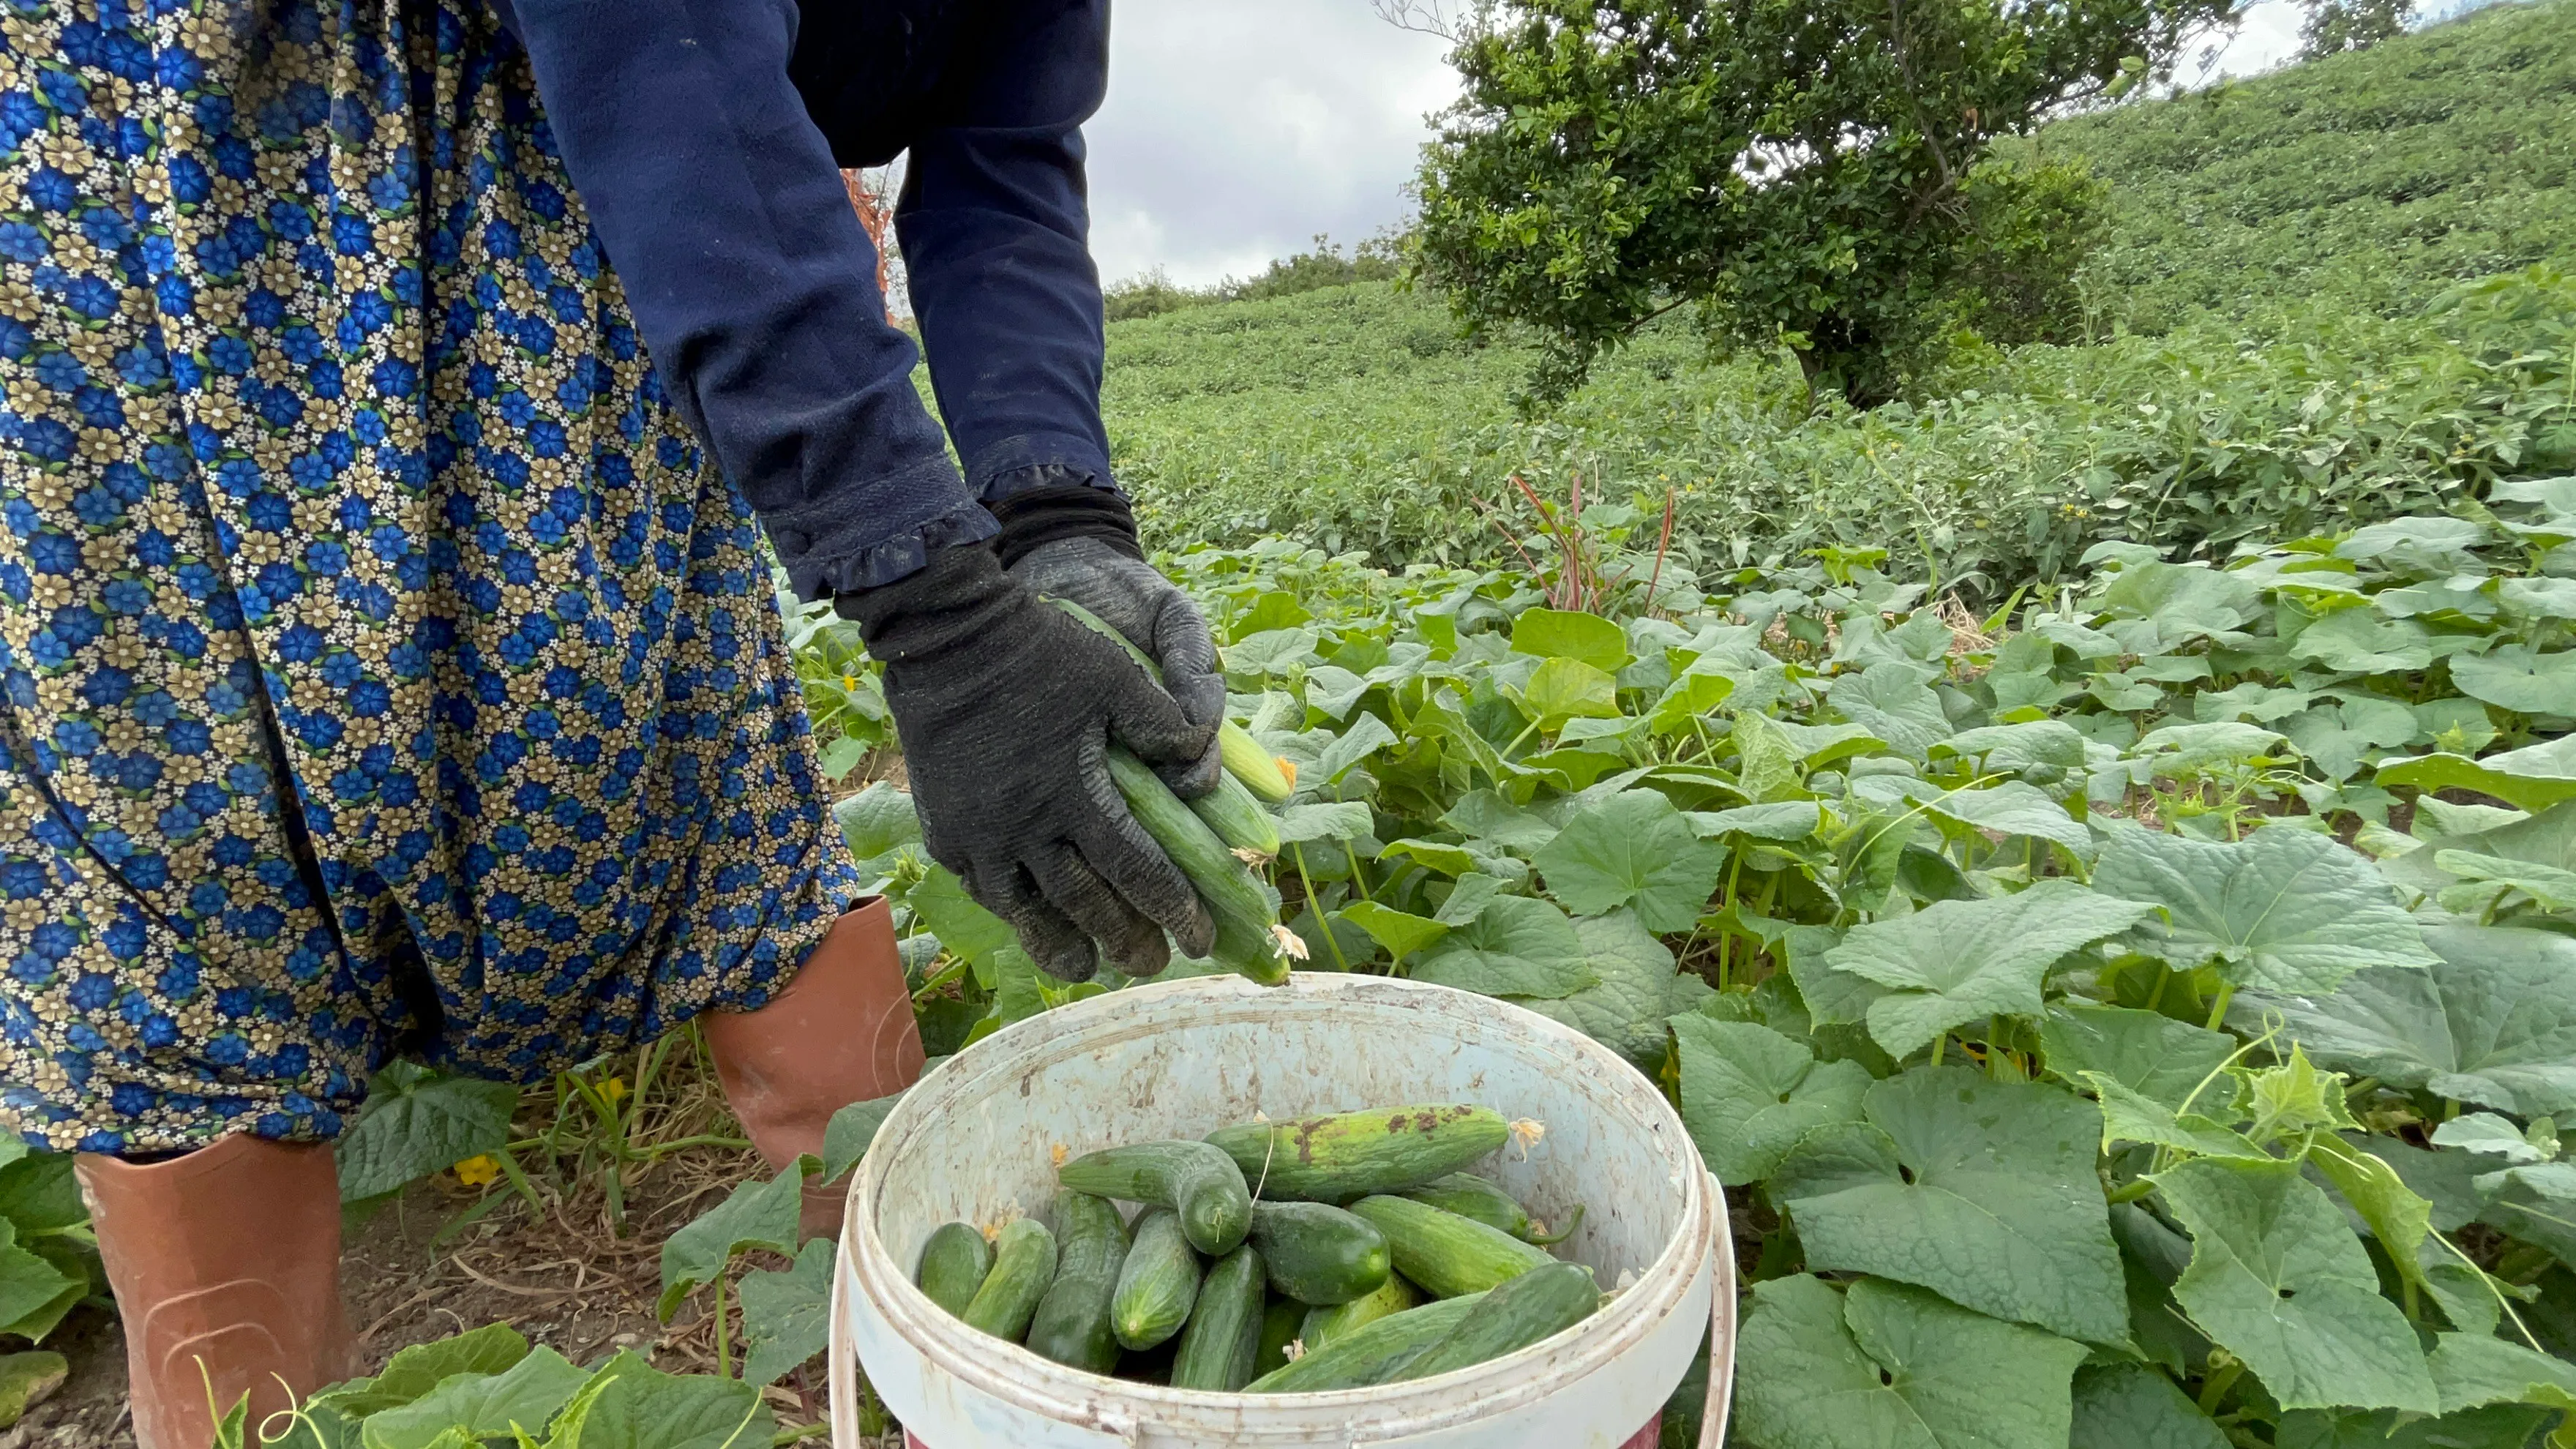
(706, 139)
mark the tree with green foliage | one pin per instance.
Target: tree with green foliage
(2335, 26)
(1806, 173)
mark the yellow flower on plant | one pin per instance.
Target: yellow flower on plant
(476, 1171)
(614, 1089)
(850, 682)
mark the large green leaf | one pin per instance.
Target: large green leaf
(757, 1214)
(2493, 1021)
(1561, 633)
(413, 1371)
(640, 1407)
(2182, 600)
(2278, 1280)
(31, 1289)
(965, 929)
(486, 1406)
(2010, 808)
(2283, 909)
(1888, 1367)
(2159, 1058)
(1625, 1009)
(2499, 1426)
(2474, 1370)
(1400, 932)
(2396, 1216)
(2359, 641)
(1633, 849)
(847, 1136)
(2131, 1116)
(1564, 689)
(2519, 677)
(878, 819)
(1982, 1191)
(1893, 701)
(416, 1123)
(2131, 1406)
(1956, 961)
(1748, 1094)
(39, 1193)
(26, 1378)
(2534, 777)
(1516, 946)
(786, 1316)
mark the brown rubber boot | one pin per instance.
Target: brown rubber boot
(841, 1032)
(226, 1267)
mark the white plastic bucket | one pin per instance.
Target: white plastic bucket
(978, 1140)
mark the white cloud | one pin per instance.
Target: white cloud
(1237, 129)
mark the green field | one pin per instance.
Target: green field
(2294, 334)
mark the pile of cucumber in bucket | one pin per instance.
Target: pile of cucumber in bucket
(1332, 1252)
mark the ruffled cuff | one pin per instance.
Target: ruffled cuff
(844, 543)
(1037, 460)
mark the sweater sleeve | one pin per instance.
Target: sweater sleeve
(995, 222)
(752, 282)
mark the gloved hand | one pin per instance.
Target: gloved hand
(1079, 543)
(1006, 706)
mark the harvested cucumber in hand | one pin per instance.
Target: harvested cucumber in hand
(1194, 1180)
(1353, 1154)
(1248, 933)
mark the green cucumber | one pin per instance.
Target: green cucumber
(1246, 911)
(953, 1265)
(1324, 1324)
(1319, 1254)
(1365, 1355)
(1241, 754)
(1353, 1154)
(1224, 1333)
(1470, 1196)
(1023, 1266)
(1191, 1178)
(1237, 818)
(1280, 1323)
(1536, 1305)
(1445, 1254)
(1072, 1325)
(1158, 1285)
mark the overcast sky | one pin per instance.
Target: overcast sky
(1237, 129)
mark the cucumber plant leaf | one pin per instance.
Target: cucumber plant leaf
(2153, 1055)
(2131, 1406)
(757, 1214)
(2474, 1370)
(1982, 1191)
(1749, 1093)
(1955, 961)
(786, 1316)
(2010, 808)
(417, 1122)
(1516, 946)
(1625, 1008)
(1883, 1366)
(1565, 634)
(1400, 932)
(1892, 701)
(2283, 909)
(2492, 1022)
(1633, 848)
(486, 1406)
(2277, 1279)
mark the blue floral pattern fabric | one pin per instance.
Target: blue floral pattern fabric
(383, 667)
